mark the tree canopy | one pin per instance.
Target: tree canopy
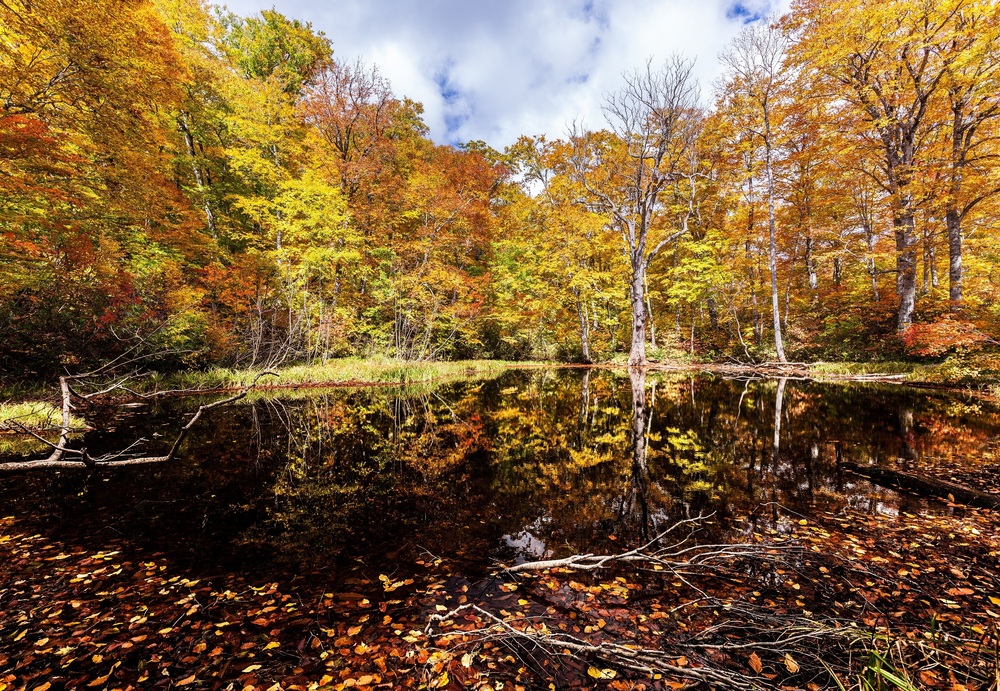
(234, 182)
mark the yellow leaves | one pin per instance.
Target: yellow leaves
(389, 585)
(251, 668)
(995, 600)
(790, 664)
(601, 673)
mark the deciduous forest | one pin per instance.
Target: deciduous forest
(705, 395)
(233, 180)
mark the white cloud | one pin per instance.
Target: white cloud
(494, 70)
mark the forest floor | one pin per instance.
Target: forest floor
(907, 601)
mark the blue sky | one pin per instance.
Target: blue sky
(496, 69)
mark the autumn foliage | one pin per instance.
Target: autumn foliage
(261, 200)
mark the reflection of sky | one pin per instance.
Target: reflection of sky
(526, 544)
(496, 70)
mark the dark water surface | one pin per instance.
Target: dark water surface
(305, 487)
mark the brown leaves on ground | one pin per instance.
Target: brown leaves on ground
(114, 619)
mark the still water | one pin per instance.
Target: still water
(308, 485)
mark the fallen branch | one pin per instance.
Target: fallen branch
(644, 661)
(675, 558)
(63, 456)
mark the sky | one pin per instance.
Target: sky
(493, 70)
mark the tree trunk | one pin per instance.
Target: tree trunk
(584, 330)
(637, 355)
(953, 222)
(906, 266)
(772, 252)
(649, 312)
(811, 264)
(199, 180)
(924, 486)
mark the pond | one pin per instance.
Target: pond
(310, 486)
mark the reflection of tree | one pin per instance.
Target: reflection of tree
(564, 459)
(635, 505)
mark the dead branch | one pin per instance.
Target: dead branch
(744, 626)
(676, 558)
(64, 456)
(644, 661)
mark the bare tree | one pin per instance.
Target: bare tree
(655, 116)
(755, 61)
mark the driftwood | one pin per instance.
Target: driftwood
(924, 486)
(64, 457)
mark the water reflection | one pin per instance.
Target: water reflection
(528, 465)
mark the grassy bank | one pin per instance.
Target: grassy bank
(346, 371)
(980, 371)
(38, 416)
(35, 415)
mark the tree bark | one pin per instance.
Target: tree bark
(584, 330)
(772, 251)
(637, 355)
(906, 266)
(953, 221)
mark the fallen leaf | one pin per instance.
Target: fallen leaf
(791, 664)
(602, 673)
(755, 663)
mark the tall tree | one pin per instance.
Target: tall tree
(972, 85)
(884, 62)
(653, 122)
(755, 61)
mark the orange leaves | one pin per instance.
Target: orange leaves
(946, 335)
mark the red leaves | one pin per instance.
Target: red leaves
(944, 336)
